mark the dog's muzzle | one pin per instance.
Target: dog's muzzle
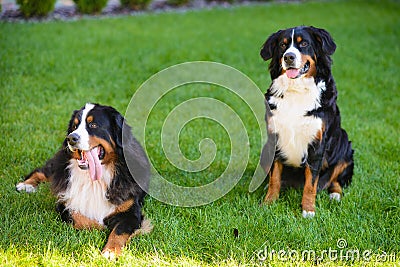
(289, 59)
(73, 139)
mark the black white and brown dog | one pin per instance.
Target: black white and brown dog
(91, 179)
(311, 150)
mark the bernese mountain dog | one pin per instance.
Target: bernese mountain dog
(89, 175)
(311, 149)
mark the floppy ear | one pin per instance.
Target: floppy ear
(270, 46)
(71, 121)
(69, 130)
(123, 131)
(325, 40)
(119, 124)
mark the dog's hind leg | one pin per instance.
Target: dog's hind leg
(341, 176)
(127, 221)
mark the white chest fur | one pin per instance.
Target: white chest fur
(293, 98)
(86, 196)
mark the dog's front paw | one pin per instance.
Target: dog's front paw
(23, 187)
(110, 254)
(308, 214)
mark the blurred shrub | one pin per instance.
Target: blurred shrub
(178, 2)
(30, 8)
(135, 4)
(90, 6)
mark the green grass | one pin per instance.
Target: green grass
(49, 69)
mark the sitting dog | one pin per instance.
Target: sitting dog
(311, 148)
(91, 180)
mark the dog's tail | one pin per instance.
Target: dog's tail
(145, 228)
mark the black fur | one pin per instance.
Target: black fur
(124, 185)
(334, 148)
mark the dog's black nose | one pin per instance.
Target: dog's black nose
(289, 58)
(73, 139)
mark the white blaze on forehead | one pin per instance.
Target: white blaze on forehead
(292, 38)
(83, 143)
(296, 52)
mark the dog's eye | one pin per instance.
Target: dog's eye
(93, 125)
(304, 44)
(282, 45)
(74, 127)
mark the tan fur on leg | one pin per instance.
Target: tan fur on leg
(309, 194)
(83, 222)
(274, 183)
(335, 190)
(334, 185)
(116, 243)
(30, 184)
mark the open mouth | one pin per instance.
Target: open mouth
(91, 160)
(96, 152)
(293, 73)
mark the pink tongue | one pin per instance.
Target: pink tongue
(95, 169)
(292, 73)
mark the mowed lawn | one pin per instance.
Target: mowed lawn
(47, 70)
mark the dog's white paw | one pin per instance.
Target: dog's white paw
(308, 214)
(109, 255)
(25, 187)
(335, 196)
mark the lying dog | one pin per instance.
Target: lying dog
(312, 149)
(91, 180)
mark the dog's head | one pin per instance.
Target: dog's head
(298, 52)
(94, 137)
